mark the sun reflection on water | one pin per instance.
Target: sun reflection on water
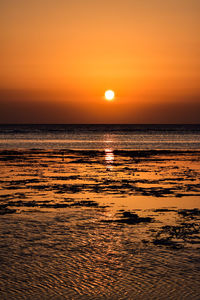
(109, 158)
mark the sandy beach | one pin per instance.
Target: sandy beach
(99, 224)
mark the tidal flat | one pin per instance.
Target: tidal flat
(108, 224)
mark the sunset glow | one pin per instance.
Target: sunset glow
(55, 62)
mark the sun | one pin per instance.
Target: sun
(109, 95)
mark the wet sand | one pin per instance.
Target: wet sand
(99, 224)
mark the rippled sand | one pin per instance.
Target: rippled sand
(99, 224)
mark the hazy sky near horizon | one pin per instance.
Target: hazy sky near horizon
(58, 57)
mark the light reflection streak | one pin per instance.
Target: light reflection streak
(109, 158)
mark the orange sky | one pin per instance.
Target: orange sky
(58, 57)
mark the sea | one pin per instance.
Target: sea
(100, 212)
(102, 136)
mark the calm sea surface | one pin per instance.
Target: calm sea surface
(100, 136)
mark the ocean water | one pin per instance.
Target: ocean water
(100, 212)
(95, 137)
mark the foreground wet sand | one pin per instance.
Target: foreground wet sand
(99, 224)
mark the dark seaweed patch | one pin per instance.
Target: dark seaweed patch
(53, 205)
(180, 195)
(109, 186)
(163, 210)
(167, 242)
(5, 197)
(49, 204)
(24, 182)
(176, 236)
(74, 177)
(189, 213)
(5, 210)
(86, 203)
(130, 218)
(21, 203)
